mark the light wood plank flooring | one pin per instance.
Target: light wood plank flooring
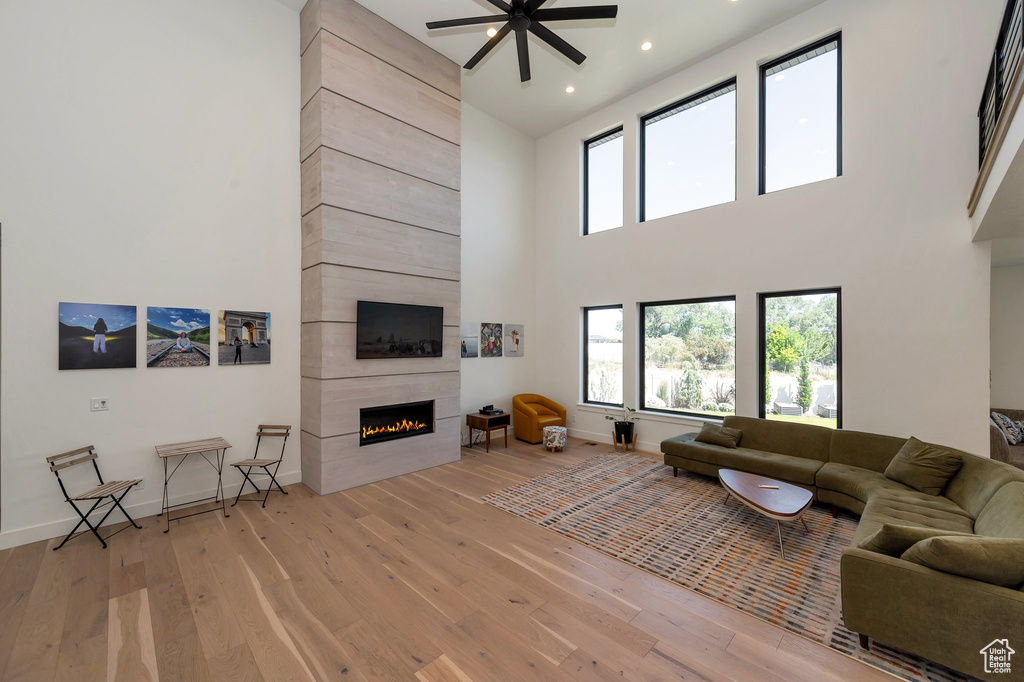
(407, 579)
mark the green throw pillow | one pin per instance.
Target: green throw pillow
(719, 435)
(894, 540)
(923, 466)
(999, 561)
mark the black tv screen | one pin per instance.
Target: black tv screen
(396, 330)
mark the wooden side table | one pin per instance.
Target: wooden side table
(488, 423)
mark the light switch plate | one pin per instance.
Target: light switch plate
(99, 404)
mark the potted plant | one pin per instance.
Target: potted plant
(623, 424)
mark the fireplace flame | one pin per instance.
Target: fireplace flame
(398, 427)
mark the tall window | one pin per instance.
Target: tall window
(689, 356)
(602, 182)
(688, 153)
(801, 117)
(801, 354)
(602, 355)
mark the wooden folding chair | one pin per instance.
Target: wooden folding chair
(115, 490)
(247, 465)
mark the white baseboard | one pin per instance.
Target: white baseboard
(58, 529)
(607, 439)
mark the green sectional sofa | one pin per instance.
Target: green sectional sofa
(941, 616)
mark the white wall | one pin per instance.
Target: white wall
(892, 231)
(148, 156)
(498, 275)
(1008, 337)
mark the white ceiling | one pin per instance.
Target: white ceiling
(682, 32)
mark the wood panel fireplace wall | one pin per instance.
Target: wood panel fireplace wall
(380, 156)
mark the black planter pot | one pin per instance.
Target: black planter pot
(624, 432)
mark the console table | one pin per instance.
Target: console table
(488, 423)
(218, 448)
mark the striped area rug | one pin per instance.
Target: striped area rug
(683, 529)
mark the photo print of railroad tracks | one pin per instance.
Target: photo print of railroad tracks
(177, 337)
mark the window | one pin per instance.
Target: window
(602, 355)
(801, 355)
(801, 117)
(689, 357)
(688, 154)
(602, 182)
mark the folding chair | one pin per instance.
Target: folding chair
(247, 465)
(115, 490)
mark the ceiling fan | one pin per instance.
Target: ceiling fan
(526, 15)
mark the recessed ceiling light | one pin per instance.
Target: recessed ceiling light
(570, 89)
(491, 32)
(646, 45)
(780, 76)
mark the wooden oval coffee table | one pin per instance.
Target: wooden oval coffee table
(778, 500)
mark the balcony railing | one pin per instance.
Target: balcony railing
(1005, 62)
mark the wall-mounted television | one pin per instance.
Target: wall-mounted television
(397, 330)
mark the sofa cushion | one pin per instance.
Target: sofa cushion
(978, 480)
(904, 509)
(1003, 516)
(894, 540)
(783, 438)
(864, 450)
(999, 561)
(715, 434)
(784, 467)
(854, 481)
(924, 466)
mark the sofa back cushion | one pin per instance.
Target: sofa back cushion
(783, 438)
(998, 561)
(865, 450)
(1003, 516)
(924, 467)
(978, 480)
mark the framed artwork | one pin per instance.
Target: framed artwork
(490, 340)
(469, 344)
(243, 338)
(96, 336)
(514, 341)
(177, 337)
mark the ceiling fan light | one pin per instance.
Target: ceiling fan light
(491, 32)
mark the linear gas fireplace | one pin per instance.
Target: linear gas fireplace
(378, 424)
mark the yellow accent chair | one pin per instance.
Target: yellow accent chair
(532, 413)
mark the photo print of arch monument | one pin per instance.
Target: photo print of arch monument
(243, 338)
(177, 337)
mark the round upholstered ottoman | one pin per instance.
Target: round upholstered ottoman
(555, 437)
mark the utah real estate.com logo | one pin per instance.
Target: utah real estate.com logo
(997, 656)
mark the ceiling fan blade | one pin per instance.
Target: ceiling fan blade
(533, 4)
(488, 46)
(570, 13)
(501, 4)
(469, 21)
(522, 43)
(554, 41)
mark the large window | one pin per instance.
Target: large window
(602, 355)
(602, 182)
(688, 153)
(689, 356)
(802, 357)
(801, 117)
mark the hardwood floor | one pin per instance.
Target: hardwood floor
(407, 579)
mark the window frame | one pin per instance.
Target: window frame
(762, 344)
(642, 170)
(642, 352)
(762, 142)
(586, 354)
(620, 131)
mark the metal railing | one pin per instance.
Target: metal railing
(1005, 61)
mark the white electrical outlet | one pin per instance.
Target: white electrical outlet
(99, 404)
